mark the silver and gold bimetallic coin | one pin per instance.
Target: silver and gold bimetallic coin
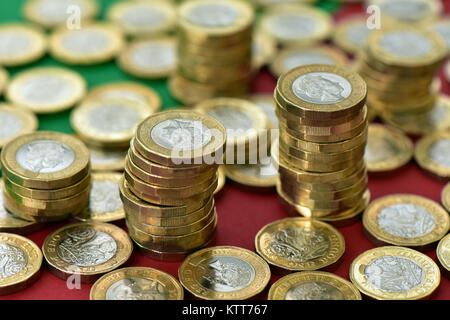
(52, 13)
(445, 197)
(21, 44)
(21, 263)
(15, 122)
(87, 249)
(137, 283)
(395, 273)
(431, 153)
(313, 285)
(443, 253)
(405, 220)
(93, 44)
(224, 273)
(150, 58)
(351, 34)
(387, 149)
(46, 89)
(300, 244)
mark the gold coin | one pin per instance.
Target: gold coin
(203, 272)
(137, 283)
(299, 244)
(51, 13)
(21, 263)
(15, 122)
(105, 204)
(88, 249)
(313, 285)
(46, 89)
(21, 44)
(351, 34)
(263, 50)
(395, 273)
(267, 104)
(108, 122)
(143, 18)
(4, 76)
(107, 160)
(387, 149)
(443, 252)
(296, 24)
(431, 153)
(93, 44)
(45, 160)
(221, 181)
(405, 220)
(445, 197)
(127, 90)
(150, 58)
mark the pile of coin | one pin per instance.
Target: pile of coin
(214, 50)
(46, 176)
(169, 180)
(399, 65)
(322, 119)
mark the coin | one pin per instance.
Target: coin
(443, 252)
(45, 160)
(15, 122)
(108, 122)
(21, 263)
(299, 244)
(313, 285)
(266, 103)
(263, 50)
(88, 249)
(107, 160)
(445, 197)
(221, 181)
(431, 153)
(137, 283)
(46, 89)
(93, 44)
(387, 149)
(50, 13)
(21, 44)
(351, 34)
(405, 220)
(143, 19)
(219, 273)
(442, 27)
(395, 273)
(296, 24)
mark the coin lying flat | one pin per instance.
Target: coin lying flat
(313, 285)
(405, 220)
(443, 252)
(387, 149)
(89, 249)
(21, 263)
(445, 197)
(46, 89)
(21, 44)
(51, 13)
(266, 103)
(432, 152)
(137, 283)
(395, 273)
(351, 34)
(92, 44)
(299, 244)
(15, 122)
(153, 58)
(224, 273)
(143, 18)
(107, 160)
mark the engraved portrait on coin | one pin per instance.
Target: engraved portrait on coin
(314, 290)
(105, 197)
(213, 15)
(45, 90)
(299, 244)
(45, 156)
(113, 118)
(440, 152)
(137, 289)
(394, 274)
(293, 26)
(321, 87)
(406, 44)
(10, 125)
(86, 247)
(225, 274)
(12, 260)
(154, 56)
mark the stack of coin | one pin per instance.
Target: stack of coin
(399, 65)
(46, 176)
(323, 131)
(169, 180)
(214, 50)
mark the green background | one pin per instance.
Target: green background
(11, 11)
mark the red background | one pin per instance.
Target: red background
(243, 213)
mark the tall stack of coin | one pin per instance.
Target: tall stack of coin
(46, 176)
(169, 180)
(399, 65)
(323, 131)
(214, 50)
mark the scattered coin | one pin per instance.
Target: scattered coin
(431, 153)
(15, 122)
(445, 197)
(351, 34)
(443, 252)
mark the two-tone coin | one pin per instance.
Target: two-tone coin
(443, 253)
(431, 153)
(15, 122)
